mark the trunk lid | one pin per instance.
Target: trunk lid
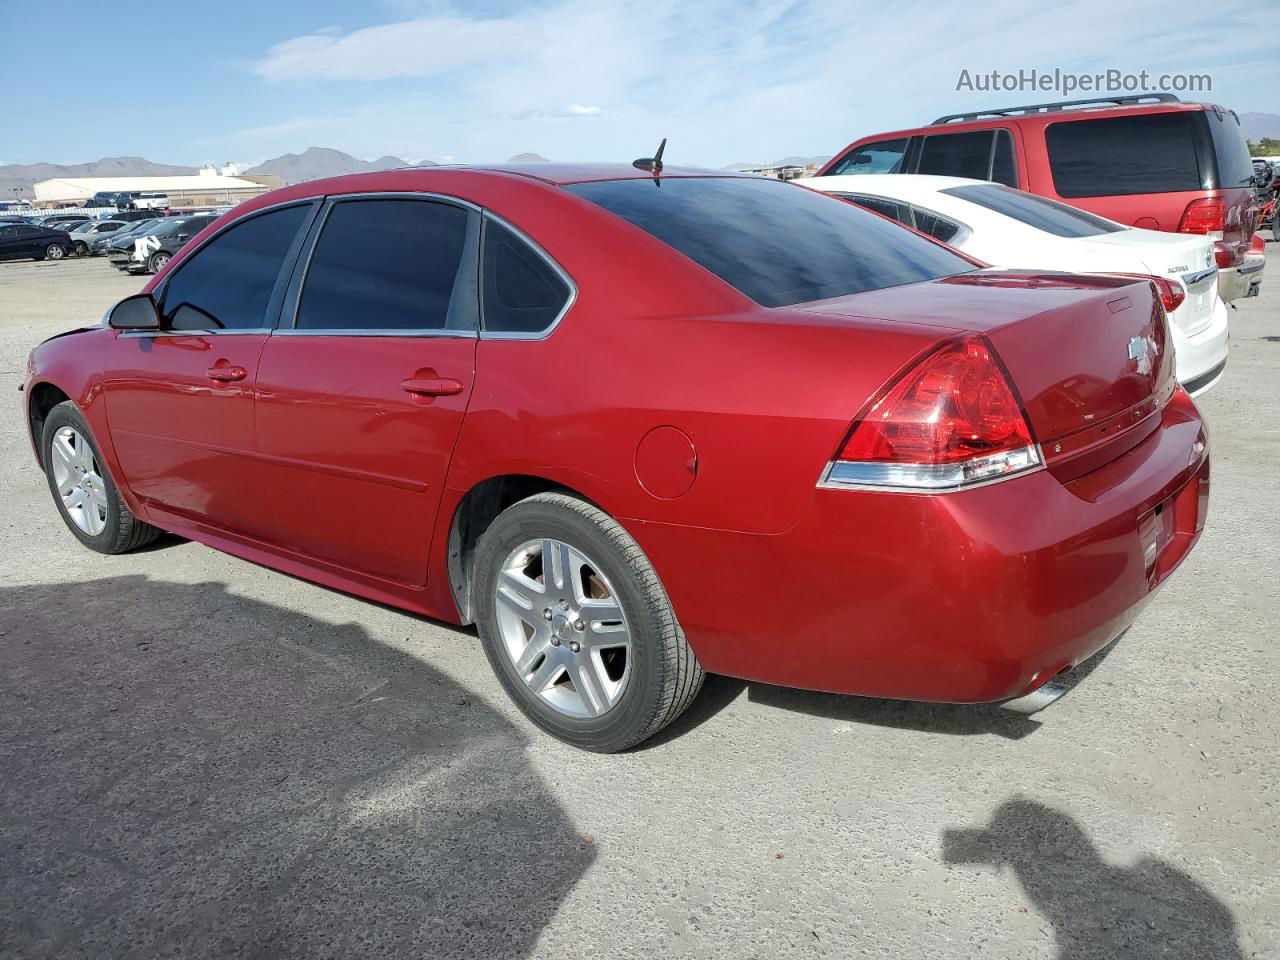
(1187, 258)
(1087, 354)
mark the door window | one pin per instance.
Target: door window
(521, 292)
(227, 284)
(884, 156)
(957, 155)
(388, 264)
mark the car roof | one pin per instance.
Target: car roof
(563, 174)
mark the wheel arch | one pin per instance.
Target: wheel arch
(476, 510)
(41, 399)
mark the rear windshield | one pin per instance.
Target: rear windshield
(1039, 212)
(777, 243)
(1117, 156)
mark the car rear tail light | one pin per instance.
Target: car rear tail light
(950, 421)
(1172, 293)
(1258, 244)
(1224, 254)
(1203, 216)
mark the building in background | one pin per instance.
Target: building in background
(209, 188)
(784, 171)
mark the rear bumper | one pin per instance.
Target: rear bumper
(983, 595)
(1202, 357)
(1244, 280)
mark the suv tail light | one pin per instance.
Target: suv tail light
(1224, 254)
(1203, 216)
(950, 421)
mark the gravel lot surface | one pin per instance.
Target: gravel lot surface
(203, 758)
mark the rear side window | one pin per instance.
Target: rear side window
(1235, 166)
(520, 291)
(776, 243)
(882, 157)
(886, 208)
(1118, 156)
(1035, 211)
(957, 155)
(935, 225)
(1003, 167)
(385, 264)
(228, 282)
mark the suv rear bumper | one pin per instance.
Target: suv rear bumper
(1244, 280)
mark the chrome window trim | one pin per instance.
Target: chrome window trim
(322, 218)
(135, 334)
(549, 261)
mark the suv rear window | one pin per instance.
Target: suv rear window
(776, 243)
(1039, 212)
(1235, 166)
(1117, 156)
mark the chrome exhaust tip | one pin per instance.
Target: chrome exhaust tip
(1037, 699)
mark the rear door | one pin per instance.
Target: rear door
(180, 400)
(362, 391)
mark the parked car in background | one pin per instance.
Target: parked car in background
(152, 251)
(119, 247)
(957, 483)
(1010, 228)
(122, 237)
(149, 201)
(83, 234)
(130, 215)
(1145, 161)
(62, 221)
(29, 241)
(15, 206)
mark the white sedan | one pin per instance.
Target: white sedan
(1009, 228)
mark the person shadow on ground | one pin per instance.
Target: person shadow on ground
(1099, 911)
(191, 773)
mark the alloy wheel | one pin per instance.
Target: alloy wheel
(79, 480)
(561, 625)
(54, 252)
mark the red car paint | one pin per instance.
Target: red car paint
(1234, 210)
(702, 422)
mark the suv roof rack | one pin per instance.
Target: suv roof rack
(1050, 107)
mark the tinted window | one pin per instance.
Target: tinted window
(521, 292)
(936, 226)
(882, 157)
(886, 208)
(1115, 156)
(957, 155)
(1235, 168)
(1003, 168)
(227, 283)
(1039, 212)
(385, 265)
(775, 242)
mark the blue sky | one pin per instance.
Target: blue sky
(725, 80)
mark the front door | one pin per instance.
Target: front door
(180, 401)
(362, 391)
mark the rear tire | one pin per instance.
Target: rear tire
(54, 251)
(94, 510)
(660, 675)
(157, 261)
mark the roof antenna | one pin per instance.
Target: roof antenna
(653, 163)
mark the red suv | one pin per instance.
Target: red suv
(1151, 161)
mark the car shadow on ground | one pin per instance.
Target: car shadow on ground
(193, 773)
(1097, 909)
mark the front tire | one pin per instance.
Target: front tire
(577, 626)
(157, 261)
(54, 251)
(86, 496)
(82, 248)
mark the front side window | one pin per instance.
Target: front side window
(386, 264)
(1120, 156)
(884, 156)
(227, 284)
(1035, 211)
(776, 243)
(520, 291)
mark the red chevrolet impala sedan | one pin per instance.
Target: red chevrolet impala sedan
(635, 427)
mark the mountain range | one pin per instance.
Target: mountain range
(784, 162)
(1259, 125)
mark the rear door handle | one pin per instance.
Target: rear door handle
(431, 386)
(226, 374)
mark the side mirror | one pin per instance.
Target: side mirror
(138, 312)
